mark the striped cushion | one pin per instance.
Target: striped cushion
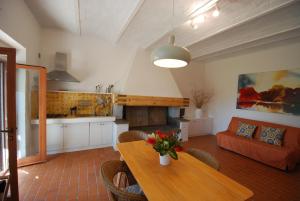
(245, 130)
(272, 135)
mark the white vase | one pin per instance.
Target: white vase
(198, 113)
(164, 160)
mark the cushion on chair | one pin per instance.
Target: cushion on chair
(245, 130)
(272, 135)
(134, 189)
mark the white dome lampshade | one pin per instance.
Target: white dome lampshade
(171, 56)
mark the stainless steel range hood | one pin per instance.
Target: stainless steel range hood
(60, 70)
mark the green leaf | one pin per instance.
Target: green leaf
(173, 154)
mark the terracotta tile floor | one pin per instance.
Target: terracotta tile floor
(74, 176)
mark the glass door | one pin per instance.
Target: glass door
(31, 114)
(8, 145)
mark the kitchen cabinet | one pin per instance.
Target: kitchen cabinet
(202, 126)
(101, 134)
(118, 128)
(76, 136)
(54, 138)
(184, 128)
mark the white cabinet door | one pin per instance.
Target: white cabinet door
(107, 133)
(117, 130)
(101, 134)
(95, 134)
(54, 138)
(76, 136)
(184, 127)
(202, 126)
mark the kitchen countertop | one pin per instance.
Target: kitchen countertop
(70, 120)
(121, 121)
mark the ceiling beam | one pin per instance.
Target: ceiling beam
(153, 44)
(279, 25)
(78, 15)
(129, 19)
(282, 36)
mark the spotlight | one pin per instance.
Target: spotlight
(216, 13)
(198, 19)
(194, 26)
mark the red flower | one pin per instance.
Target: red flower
(162, 136)
(178, 148)
(151, 140)
(158, 132)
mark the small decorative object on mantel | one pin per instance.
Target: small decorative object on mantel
(109, 88)
(166, 144)
(99, 88)
(200, 100)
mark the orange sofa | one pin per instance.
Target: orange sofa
(284, 157)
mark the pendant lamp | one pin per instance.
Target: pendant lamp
(171, 56)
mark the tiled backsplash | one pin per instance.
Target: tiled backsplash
(60, 102)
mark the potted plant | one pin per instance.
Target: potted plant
(200, 99)
(167, 145)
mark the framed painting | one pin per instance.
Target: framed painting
(274, 91)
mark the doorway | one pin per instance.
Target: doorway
(8, 145)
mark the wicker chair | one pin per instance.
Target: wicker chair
(108, 171)
(205, 157)
(130, 136)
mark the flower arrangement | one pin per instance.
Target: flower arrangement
(200, 98)
(166, 143)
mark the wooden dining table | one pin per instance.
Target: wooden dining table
(185, 179)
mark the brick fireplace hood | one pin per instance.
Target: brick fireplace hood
(132, 100)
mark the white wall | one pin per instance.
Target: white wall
(95, 61)
(222, 76)
(146, 79)
(91, 60)
(2, 44)
(188, 79)
(18, 22)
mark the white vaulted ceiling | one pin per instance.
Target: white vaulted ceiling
(105, 18)
(60, 14)
(147, 23)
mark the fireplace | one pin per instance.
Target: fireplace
(149, 113)
(149, 118)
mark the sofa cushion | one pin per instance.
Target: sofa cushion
(272, 135)
(245, 130)
(291, 134)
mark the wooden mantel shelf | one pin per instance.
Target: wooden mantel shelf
(131, 100)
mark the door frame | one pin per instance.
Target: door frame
(42, 156)
(11, 120)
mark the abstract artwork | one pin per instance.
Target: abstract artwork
(275, 91)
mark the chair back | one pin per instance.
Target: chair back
(109, 170)
(130, 136)
(205, 157)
